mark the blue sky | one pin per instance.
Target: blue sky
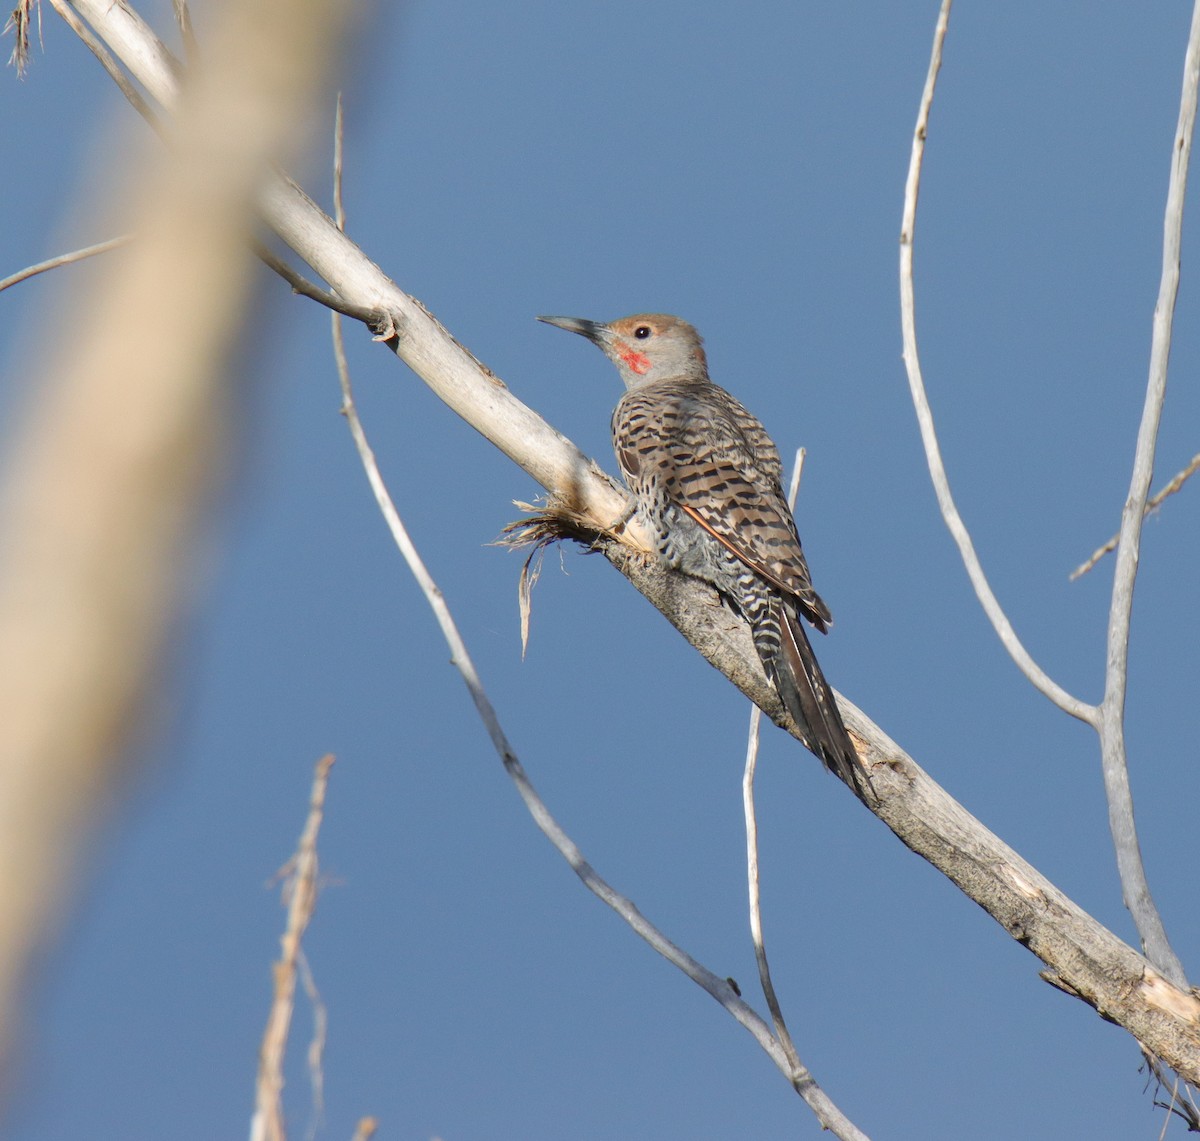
(743, 169)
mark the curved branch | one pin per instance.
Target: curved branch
(933, 454)
(1107, 717)
(62, 260)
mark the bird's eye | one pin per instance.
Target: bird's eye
(642, 332)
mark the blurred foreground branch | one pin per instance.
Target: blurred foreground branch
(115, 463)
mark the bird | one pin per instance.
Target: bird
(707, 485)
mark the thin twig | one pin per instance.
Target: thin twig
(1111, 726)
(799, 1071)
(1182, 1099)
(1152, 505)
(933, 455)
(63, 259)
(800, 1076)
(373, 318)
(300, 894)
(1106, 718)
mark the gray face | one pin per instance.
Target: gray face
(646, 347)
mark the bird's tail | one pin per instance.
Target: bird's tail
(807, 697)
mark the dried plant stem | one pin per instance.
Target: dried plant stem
(316, 1044)
(18, 23)
(300, 894)
(826, 1112)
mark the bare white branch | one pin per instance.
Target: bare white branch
(1134, 884)
(1108, 717)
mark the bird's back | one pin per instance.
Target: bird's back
(688, 445)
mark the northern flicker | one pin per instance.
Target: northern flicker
(707, 483)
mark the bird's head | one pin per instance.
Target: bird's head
(646, 347)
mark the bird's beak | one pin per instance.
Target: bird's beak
(593, 330)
